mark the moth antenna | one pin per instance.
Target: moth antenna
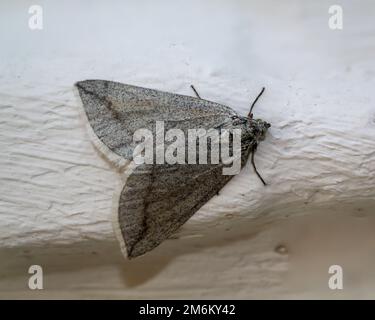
(250, 115)
(255, 168)
(196, 92)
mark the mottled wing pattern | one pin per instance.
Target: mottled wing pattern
(115, 111)
(158, 199)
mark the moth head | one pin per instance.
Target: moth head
(259, 128)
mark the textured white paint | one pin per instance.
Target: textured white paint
(56, 189)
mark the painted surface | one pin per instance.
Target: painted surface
(56, 190)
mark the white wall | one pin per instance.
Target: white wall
(56, 190)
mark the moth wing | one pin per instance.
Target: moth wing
(115, 111)
(158, 199)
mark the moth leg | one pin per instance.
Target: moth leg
(250, 115)
(196, 92)
(255, 168)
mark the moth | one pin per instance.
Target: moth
(158, 199)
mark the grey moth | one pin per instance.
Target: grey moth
(158, 198)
